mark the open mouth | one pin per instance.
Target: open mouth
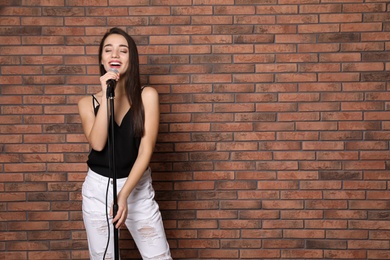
(115, 64)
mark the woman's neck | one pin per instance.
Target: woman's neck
(120, 88)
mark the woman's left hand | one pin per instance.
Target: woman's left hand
(120, 217)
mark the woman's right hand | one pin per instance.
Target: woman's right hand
(111, 74)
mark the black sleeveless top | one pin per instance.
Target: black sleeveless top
(126, 148)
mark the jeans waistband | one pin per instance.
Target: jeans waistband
(103, 179)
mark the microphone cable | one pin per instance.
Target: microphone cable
(108, 221)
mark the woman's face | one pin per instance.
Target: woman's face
(115, 54)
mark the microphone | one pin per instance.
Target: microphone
(112, 82)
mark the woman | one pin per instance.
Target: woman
(136, 115)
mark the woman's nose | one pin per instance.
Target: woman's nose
(114, 53)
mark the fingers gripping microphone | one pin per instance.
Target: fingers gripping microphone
(111, 83)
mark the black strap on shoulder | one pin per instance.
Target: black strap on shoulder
(95, 103)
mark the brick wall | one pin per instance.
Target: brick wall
(273, 141)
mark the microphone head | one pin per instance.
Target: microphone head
(112, 82)
(114, 70)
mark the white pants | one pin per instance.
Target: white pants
(143, 220)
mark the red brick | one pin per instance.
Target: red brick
(293, 175)
(247, 243)
(216, 214)
(218, 253)
(344, 195)
(257, 195)
(373, 46)
(324, 47)
(201, 185)
(232, 127)
(376, 175)
(272, 243)
(346, 254)
(296, 19)
(354, 8)
(326, 204)
(347, 234)
(302, 116)
(379, 254)
(375, 194)
(12, 216)
(234, 204)
(316, 126)
(299, 97)
(341, 18)
(375, 36)
(260, 254)
(276, 67)
(214, 19)
(277, 9)
(318, 28)
(299, 233)
(14, 255)
(335, 57)
(237, 185)
(267, 128)
(327, 77)
(379, 234)
(322, 8)
(306, 214)
(283, 204)
(275, 48)
(377, 205)
(198, 243)
(358, 244)
(229, 108)
(369, 27)
(326, 224)
(337, 155)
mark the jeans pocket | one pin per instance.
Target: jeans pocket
(88, 190)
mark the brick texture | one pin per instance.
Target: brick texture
(274, 134)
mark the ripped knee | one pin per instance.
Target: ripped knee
(151, 234)
(148, 232)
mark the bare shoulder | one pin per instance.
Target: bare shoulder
(148, 90)
(88, 100)
(85, 106)
(85, 102)
(149, 94)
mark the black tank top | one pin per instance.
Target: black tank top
(126, 149)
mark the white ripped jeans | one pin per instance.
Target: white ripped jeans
(143, 220)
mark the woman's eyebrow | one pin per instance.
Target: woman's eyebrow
(110, 45)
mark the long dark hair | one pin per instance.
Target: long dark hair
(132, 80)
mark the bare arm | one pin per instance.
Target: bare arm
(96, 127)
